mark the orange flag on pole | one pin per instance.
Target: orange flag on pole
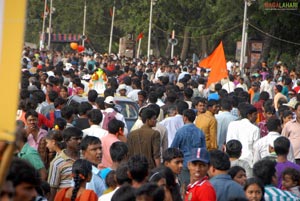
(217, 64)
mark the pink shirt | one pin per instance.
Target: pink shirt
(291, 130)
(34, 144)
(107, 141)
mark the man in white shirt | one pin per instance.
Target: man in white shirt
(268, 86)
(229, 85)
(245, 131)
(261, 147)
(95, 118)
(175, 122)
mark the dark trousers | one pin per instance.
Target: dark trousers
(297, 161)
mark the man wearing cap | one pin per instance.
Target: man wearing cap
(109, 108)
(199, 188)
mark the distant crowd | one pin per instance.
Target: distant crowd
(103, 127)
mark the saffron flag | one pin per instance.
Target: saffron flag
(217, 64)
(140, 36)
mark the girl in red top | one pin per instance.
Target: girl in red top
(82, 173)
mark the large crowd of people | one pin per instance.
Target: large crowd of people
(238, 139)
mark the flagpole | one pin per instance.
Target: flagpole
(112, 28)
(138, 50)
(172, 46)
(50, 21)
(43, 28)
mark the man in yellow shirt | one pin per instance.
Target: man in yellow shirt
(208, 124)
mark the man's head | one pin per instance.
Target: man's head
(95, 116)
(84, 108)
(219, 163)
(118, 152)
(91, 149)
(282, 146)
(297, 109)
(265, 170)
(72, 136)
(92, 95)
(234, 148)
(189, 116)
(173, 159)
(274, 124)
(181, 106)
(138, 168)
(25, 179)
(116, 127)
(31, 117)
(200, 105)
(213, 106)
(248, 111)
(149, 117)
(198, 164)
(226, 104)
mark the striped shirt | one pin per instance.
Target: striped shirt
(60, 171)
(274, 194)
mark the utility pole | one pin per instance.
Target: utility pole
(43, 28)
(150, 29)
(50, 25)
(84, 23)
(112, 28)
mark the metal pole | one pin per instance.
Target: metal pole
(50, 21)
(172, 46)
(111, 29)
(149, 33)
(44, 24)
(84, 22)
(138, 50)
(243, 48)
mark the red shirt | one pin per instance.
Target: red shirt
(201, 190)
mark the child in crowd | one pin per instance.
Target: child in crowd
(291, 181)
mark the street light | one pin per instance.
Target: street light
(152, 2)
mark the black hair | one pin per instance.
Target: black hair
(31, 113)
(264, 96)
(114, 126)
(71, 132)
(147, 114)
(273, 124)
(219, 160)
(269, 109)
(56, 135)
(124, 193)
(100, 102)
(295, 174)
(110, 179)
(122, 174)
(226, 104)
(234, 170)
(138, 167)
(39, 96)
(265, 170)
(81, 169)
(258, 182)
(52, 95)
(84, 107)
(95, 116)
(297, 105)
(142, 93)
(246, 109)
(21, 171)
(155, 108)
(171, 153)
(151, 190)
(181, 106)
(211, 103)
(189, 114)
(60, 122)
(118, 151)
(286, 113)
(89, 140)
(59, 101)
(234, 148)
(152, 97)
(282, 146)
(154, 175)
(188, 92)
(278, 87)
(67, 112)
(92, 95)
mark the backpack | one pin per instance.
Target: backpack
(108, 116)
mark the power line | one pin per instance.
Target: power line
(274, 37)
(198, 37)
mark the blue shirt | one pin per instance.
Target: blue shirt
(223, 119)
(187, 138)
(96, 184)
(226, 188)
